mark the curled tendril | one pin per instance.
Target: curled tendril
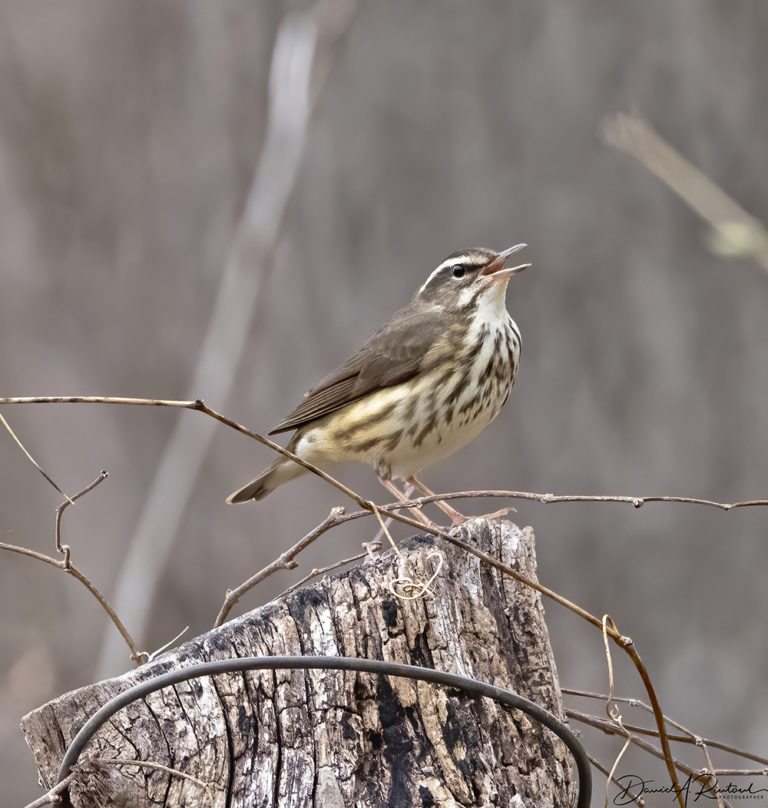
(405, 588)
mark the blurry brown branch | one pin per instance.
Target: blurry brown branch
(68, 567)
(304, 45)
(735, 232)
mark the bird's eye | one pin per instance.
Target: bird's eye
(458, 271)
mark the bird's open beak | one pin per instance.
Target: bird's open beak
(496, 268)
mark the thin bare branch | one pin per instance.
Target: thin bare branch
(139, 402)
(547, 499)
(165, 646)
(337, 517)
(609, 728)
(52, 795)
(285, 561)
(29, 456)
(689, 737)
(317, 571)
(148, 764)
(63, 548)
(198, 406)
(711, 770)
(68, 567)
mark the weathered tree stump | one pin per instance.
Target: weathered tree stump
(332, 738)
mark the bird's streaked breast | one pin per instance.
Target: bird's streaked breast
(465, 380)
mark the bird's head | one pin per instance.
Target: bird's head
(469, 278)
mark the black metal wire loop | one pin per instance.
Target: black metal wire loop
(473, 687)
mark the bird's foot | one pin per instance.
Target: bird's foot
(372, 548)
(497, 514)
(400, 496)
(457, 519)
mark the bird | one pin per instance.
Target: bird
(422, 386)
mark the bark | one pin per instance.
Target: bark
(326, 738)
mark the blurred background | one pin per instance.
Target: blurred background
(130, 140)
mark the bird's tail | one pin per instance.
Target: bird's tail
(278, 473)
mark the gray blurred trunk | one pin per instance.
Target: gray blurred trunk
(327, 738)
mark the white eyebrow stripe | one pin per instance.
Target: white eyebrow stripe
(446, 263)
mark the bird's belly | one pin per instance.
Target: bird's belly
(401, 430)
(408, 459)
(423, 427)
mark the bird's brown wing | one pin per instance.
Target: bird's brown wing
(392, 355)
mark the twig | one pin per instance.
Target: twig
(148, 764)
(609, 728)
(156, 653)
(68, 567)
(285, 561)
(547, 499)
(52, 794)
(385, 530)
(321, 571)
(711, 769)
(29, 456)
(136, 654)
(64, 548)
(689, 738)
(198, 405)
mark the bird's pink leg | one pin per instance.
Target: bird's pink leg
(401, 497)
(455, 517)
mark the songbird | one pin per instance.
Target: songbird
(423, 385)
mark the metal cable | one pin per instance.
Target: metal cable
(506, 698)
